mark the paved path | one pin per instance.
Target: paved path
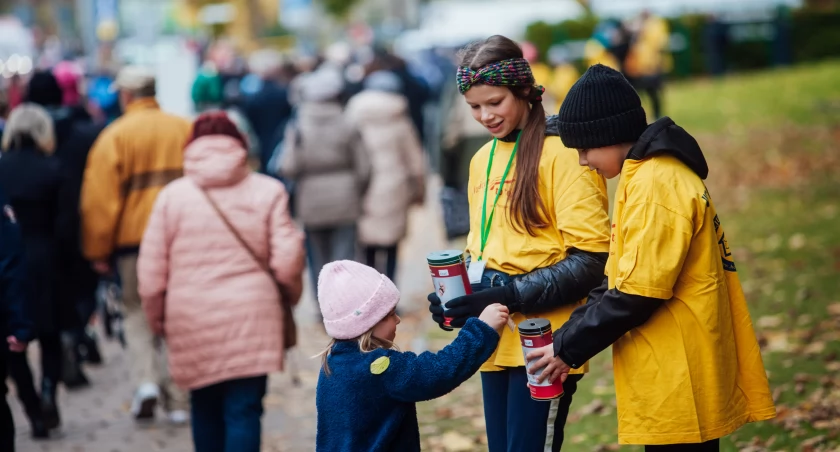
(97, 419)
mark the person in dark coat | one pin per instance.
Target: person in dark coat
(15, 317)
(33, 181)
(269, 109)
(75, 133)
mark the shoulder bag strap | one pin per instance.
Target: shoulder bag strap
(263, 266)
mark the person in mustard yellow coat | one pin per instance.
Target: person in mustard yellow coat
(688, 369)
(130, 162)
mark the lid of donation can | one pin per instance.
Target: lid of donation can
(534, 327)
(447, 257)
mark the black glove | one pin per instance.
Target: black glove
(437, 310)
(462, 308)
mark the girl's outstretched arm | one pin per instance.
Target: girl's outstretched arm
(414, 378)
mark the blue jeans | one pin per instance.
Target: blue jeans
(226, 417)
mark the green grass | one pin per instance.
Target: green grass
(807, 95)
(783, 229)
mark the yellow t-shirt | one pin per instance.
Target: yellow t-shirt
(693, 372)
(576, 200)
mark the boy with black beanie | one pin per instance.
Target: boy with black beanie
(687, 365)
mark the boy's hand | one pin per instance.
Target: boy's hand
(552, 366)
(15, 345)
(495, 315)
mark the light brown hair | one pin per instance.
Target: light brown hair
(367, 343)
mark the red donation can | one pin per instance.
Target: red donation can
(449, 275)
(534, 334)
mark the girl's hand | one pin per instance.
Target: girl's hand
(552, 366)
(495, 315)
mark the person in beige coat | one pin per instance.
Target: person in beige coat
(325, 157)
(398, 175)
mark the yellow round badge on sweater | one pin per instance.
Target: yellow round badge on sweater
(380, 365)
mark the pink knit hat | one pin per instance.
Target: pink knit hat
(354, 298)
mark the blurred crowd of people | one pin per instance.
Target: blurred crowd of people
(108, 209)
(46, 134)
(351, 133)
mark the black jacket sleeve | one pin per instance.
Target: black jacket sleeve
(607, 315)
(561, 284)
(18, 319)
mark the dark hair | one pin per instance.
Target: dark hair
(216, 123)
(44, 90)
(527, 209)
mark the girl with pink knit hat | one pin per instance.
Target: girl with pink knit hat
(367, 387)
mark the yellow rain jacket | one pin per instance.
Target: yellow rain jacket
(649, 55)
(687, 365)
(576, 200)
(131, 161)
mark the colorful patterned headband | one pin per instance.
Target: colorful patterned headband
(512, 72)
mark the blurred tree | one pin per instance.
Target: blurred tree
(822, 4)
(587, 7)
(339, 8)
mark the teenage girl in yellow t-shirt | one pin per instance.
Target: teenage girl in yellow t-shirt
(538, 242)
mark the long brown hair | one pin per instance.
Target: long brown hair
(527, 209)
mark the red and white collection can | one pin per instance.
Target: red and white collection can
(534, 334)
(449, 275)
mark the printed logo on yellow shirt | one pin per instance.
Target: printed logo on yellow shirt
(478, 189)
(725, 252)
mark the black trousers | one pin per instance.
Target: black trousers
(21, 373)
(7, 424)
(516, 422)
(708, 446)
(372, 254)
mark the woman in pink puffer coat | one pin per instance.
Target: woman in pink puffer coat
(202, 291)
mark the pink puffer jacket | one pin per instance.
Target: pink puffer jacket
(219, 313)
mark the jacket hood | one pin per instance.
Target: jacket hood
(215, 161)
(552, 126)
(376, 106)
(666, 137)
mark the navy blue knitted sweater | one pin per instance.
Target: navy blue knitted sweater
(361, 411)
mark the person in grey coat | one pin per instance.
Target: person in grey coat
(325, 157)
(398, 164)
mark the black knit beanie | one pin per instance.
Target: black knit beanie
(602, 109)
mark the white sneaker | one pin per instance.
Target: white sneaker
(179, 417)
(145, 401)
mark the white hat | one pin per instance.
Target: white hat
(323, 85)
(32, 120)
(135, 78)
(264, 62)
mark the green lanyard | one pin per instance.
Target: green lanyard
(485, 223)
